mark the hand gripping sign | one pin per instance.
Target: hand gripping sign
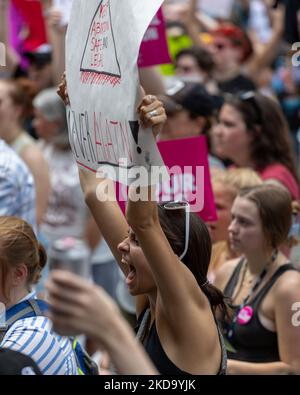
(102, 46)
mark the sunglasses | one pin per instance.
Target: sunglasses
(185, 69)
(249, 97)
(220, 46)
(180, 205)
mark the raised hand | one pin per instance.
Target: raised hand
(62, 90)
(152, 114)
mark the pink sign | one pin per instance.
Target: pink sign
(29, 15)
(187, 162)
(154, 48)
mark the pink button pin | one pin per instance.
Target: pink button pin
(245, 315)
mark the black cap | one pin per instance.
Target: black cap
(15, 363)
(191, 96)
(40, 57)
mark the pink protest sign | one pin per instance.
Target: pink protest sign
(187, 161)
(29, 15)
(154, 48)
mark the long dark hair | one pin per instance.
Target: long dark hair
(271, 141)
(198, 255)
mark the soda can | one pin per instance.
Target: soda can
(70, 254)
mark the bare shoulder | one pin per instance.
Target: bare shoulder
(287, 287)
(33, 154)
(224, 273)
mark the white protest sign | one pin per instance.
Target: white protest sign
(64, 6)
(217, 8)
(102, 46)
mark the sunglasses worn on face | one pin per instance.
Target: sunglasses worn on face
(185, 69)
(180, 205)
(220, 46)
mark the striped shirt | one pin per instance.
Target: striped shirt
(34, 337)
(17, 190)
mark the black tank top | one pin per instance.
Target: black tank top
(252, 341)
(160, 359)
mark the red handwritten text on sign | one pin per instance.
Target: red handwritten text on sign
(100, 59)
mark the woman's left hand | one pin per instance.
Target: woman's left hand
(152, 114)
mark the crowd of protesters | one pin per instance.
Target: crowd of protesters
(200, 298)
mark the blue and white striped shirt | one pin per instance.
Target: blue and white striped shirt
(34, 337)
(17, 190)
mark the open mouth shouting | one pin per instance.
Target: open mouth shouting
(131, 274)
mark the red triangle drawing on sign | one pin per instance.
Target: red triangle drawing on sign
(99, 64)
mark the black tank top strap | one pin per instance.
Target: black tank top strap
(263, 292)
(223, 366)
(232, 283)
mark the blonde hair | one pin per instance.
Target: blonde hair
(18, 244)
(236, 178)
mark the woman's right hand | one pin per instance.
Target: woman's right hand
(77, 307)
(62, 90)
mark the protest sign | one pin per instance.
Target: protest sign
(187, 162)
(217, 8)
(64, 6)
(154, 48)
(102, 46)
(27, 16)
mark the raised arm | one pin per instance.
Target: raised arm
(172, 277)
(152, 80)
(106, 212)
(196, 21)
(268, 52)
(56, 34)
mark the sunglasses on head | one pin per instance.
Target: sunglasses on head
(180, 205)
(249, 97)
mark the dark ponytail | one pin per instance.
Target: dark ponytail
(215, 297)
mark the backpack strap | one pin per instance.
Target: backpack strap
(27, 309)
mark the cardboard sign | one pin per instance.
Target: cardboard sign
(102, 46)
(187, 162)
(154, 48)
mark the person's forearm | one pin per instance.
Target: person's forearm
(270, 368)
(127, 355)
(142, 208)
(103, 205)
(57, 39)
(152, 81)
